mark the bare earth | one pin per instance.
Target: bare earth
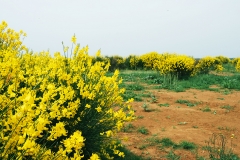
(181, 122)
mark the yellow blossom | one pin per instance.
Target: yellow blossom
(74, 39)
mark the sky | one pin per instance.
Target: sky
(196, 28)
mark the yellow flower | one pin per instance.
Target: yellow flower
(57, 131)
(99, 109)
(98, 53)
(121, 154)
(88, 106)
(109, 133)
(74, 39)
(94, 157)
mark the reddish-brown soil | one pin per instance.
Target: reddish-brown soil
(181, 122)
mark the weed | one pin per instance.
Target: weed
(140, 117)
(154, 99)
(181, 101)
(146, 94)
(167, 142)
(227, 107)
(227, 92)
(187, 145)
(163, 105)
(130, 94)
(171, 155)
(142, 146)
(220, 128)
(135, 87)
(153, 140)
(216, 147)
(188, 103)
(182, 123)
(220, 98)
(195, 126)
(145, 107)
(214, 112)
(191, 104)
(143, 130)
(179, 88)
(206, 109)
(128, 128)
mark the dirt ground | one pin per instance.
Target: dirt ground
(182, 122)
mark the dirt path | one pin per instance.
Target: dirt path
(202, 114)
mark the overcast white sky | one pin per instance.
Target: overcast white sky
(122, 27)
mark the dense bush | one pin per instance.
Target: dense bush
(116, 62)
(238, 65)
(149, 59)
(175, 64)
(57, 107)
(133, 62)
(235, 60)
(207, 64)
(223, 59)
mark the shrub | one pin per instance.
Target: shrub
(207, 64)
(148, 59)
(57, 107)
(116, 62)
(235, 60)
(238, 65)
(180, 66)
(134, 61)
(223, 59)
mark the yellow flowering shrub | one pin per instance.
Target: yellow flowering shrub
(148, 59)
(238, 65)
(57, 107)
(206, 64)
(133, 61)
(116, 62)
(235, 61)
(223, 59)
(175, 64)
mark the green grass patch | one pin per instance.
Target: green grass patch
(206, 109)
(143, 130)
(128, 127)
(187, 145)
(187, 102)
(227, 107)
(164, 105)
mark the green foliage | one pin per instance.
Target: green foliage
(128, 127)
(223, 59)
(206, 64)
(116, 62)
(167, 142)
(164, 105)
(172, 156)
(143, 130)
(187, 145)
(58, 106)
(145, 107)
(206, 109)
(231, 82)
(216, 147)
(153, 98)
(134, 87)
(131, 94)
(227, 107)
